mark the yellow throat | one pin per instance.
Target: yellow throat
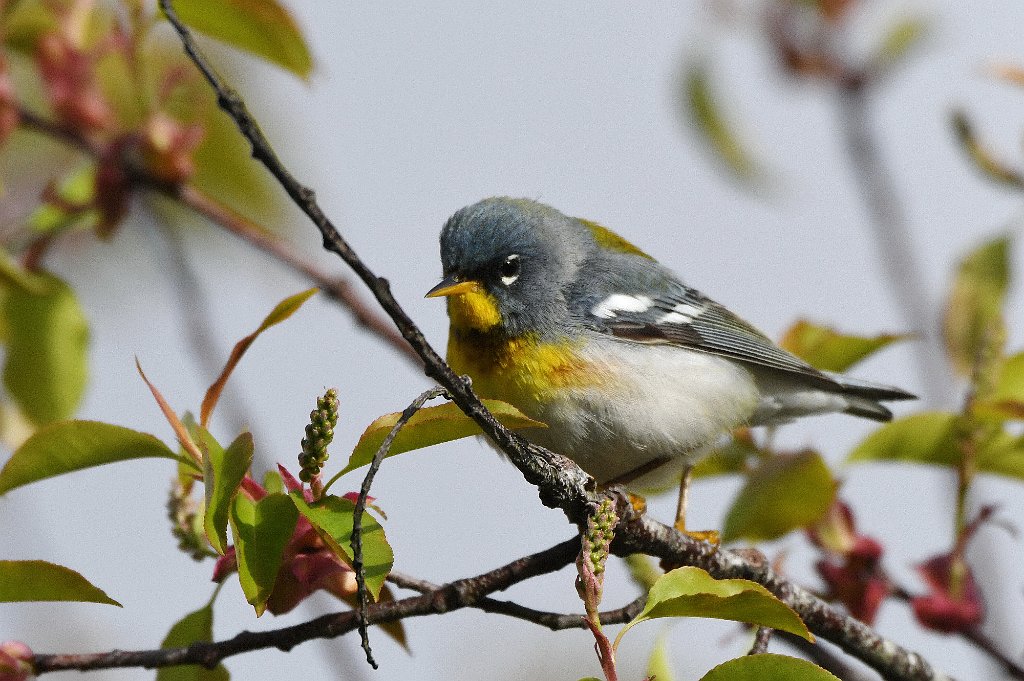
(523, 371)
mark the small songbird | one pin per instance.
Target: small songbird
(635, 373)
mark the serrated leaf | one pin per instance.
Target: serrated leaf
(706, 116)
(659, 666)
(768, 666)
(223, 470)
(784, 493)
(430, 426)
(47, 339)
(282, 311)
(826, 349)
(974, 308)
(261, 27)
(195, 627)
(901, 37)
(692, 592)
(261, 530)
(928, 437)
(73, 445)
(332, 518)
(39, 580)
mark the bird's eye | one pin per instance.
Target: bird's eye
(509, 270)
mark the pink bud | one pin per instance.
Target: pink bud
(15, 661)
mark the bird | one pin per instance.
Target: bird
(635, 374)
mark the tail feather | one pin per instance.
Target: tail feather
(864, 397)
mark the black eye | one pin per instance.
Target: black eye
(509, 269)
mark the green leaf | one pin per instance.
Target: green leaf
(827, 349)
(928, 437)
(974, 308)
(705, 112)
(782, 494)
(659, 666)
(901, 37)
(768, 666)
(48, 335)
(1009, 386)
(643, 570)
(223, 470)
(73, 445)
(76, 195)
(1002, 455)
(692, 592)
(261, 530)
(261, 27)
(430, 426)
(983, 157)
(931, 438)
(38, 580)
(282, 311)
(24, 24)
(195, 627)
(332, 518)
(732, 457)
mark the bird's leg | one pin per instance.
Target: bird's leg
(710, 536)
(684, 493)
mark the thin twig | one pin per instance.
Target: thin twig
(893, 242)
(560, 482)
(824, 655)
(552, 620)
(975, 636)
(357, 513)
(762, 636)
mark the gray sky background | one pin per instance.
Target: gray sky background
(415, 112)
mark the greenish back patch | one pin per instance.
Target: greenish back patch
(606, 238)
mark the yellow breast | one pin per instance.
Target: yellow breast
(523, 371)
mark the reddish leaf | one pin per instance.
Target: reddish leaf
(282, 311)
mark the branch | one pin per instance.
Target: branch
(762, 636)
(460, 594)
(552, 620)
(560, 482)
(254, 234)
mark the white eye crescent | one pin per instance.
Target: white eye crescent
(510, 270)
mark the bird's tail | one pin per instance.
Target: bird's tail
(864, 398)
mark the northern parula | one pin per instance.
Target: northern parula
(634, 372)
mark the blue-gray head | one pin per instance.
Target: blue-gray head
(507, 263)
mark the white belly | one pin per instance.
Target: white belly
(657, 401)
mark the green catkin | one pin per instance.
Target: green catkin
(319, 434)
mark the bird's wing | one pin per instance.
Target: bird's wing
(685, 317)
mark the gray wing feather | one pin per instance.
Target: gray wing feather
(710, 327)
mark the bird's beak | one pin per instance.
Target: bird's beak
(452, 286)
